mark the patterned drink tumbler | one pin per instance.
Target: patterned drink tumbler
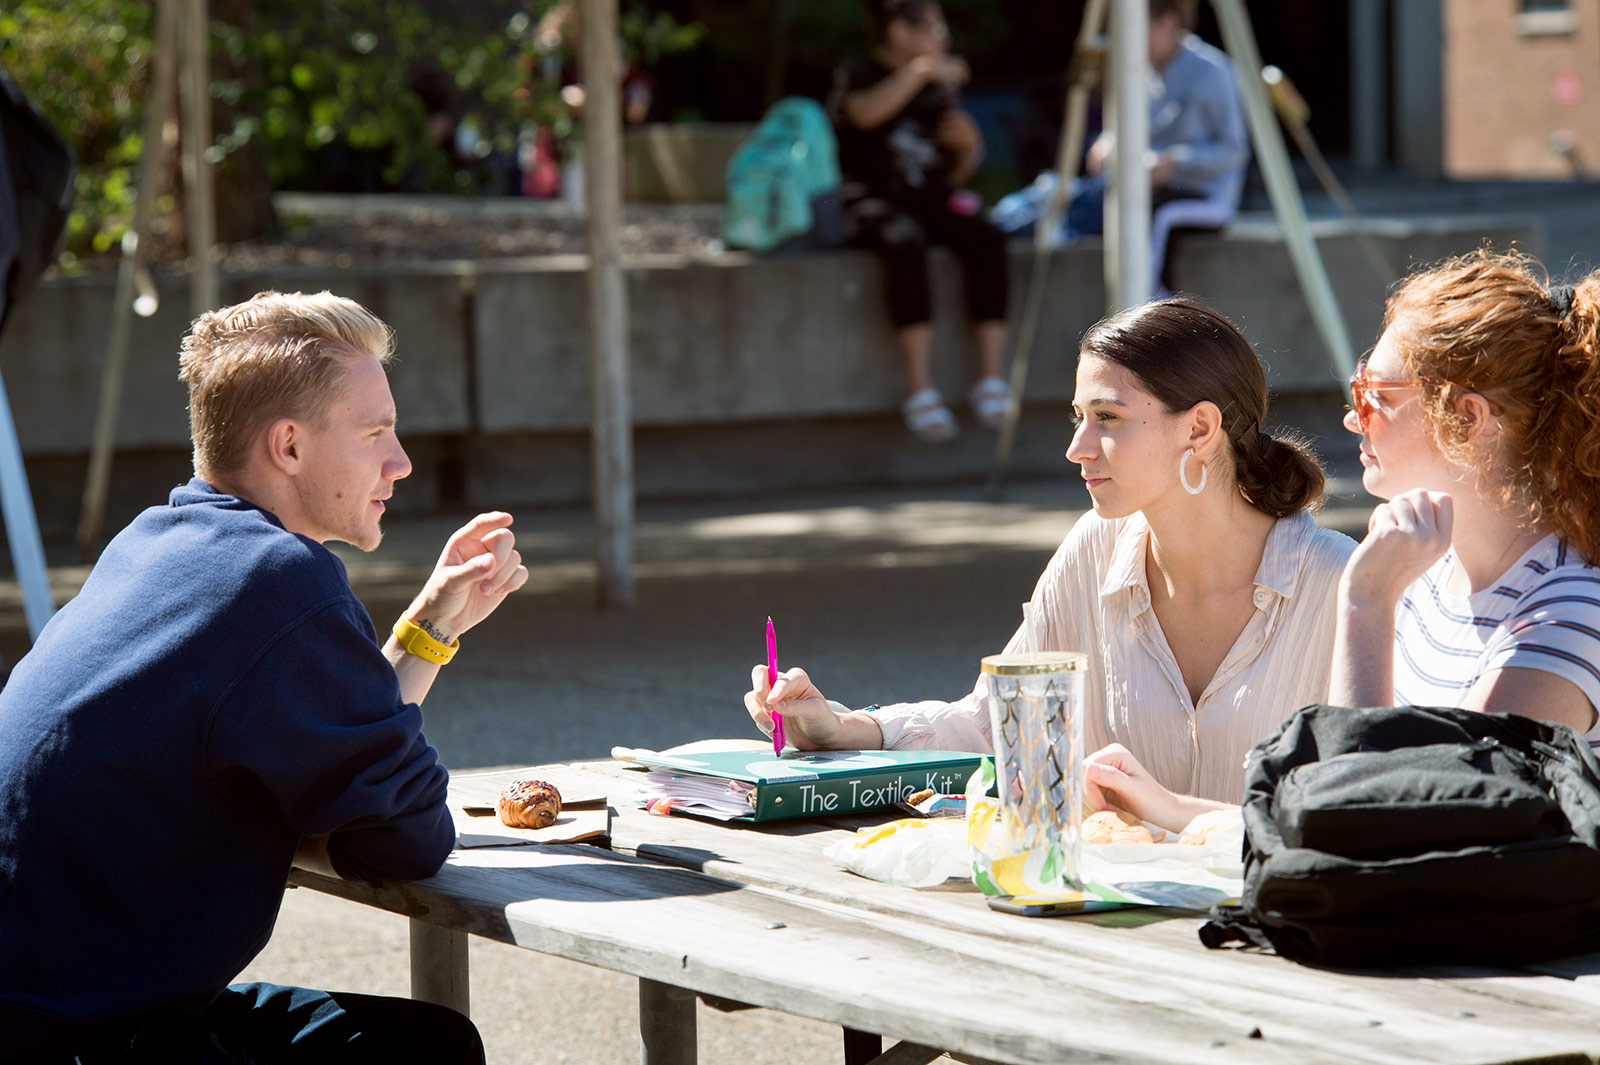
(1036, 710)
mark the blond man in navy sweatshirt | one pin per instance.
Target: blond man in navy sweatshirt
(216, 703)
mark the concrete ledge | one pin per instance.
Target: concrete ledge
(749, 373)
(54, 352)
(675, 162)
(1247, 274)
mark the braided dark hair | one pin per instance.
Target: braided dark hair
(1184, 353)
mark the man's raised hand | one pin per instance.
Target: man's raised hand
(478, 568)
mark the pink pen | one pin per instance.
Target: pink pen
(772, 678)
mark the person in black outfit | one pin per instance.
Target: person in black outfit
(905, 147)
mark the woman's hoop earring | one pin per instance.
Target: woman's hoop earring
(1183, 474)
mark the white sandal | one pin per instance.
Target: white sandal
(928, 418)
(990, 399)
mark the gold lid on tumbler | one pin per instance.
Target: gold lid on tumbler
(1028, 664)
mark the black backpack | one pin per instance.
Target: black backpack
(43, 171)
(1417, 835)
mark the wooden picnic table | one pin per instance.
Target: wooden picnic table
(757, 915)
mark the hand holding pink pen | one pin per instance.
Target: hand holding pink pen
(772, 678)
(808, 721)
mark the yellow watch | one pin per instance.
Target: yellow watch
(419, 643)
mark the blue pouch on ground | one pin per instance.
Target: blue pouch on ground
(1018, 213)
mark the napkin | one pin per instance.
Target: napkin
(584, 812)
(571, 826)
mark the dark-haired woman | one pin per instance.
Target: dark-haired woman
(1200, 585)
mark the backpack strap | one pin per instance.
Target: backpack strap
(1232, 924)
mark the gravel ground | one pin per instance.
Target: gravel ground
(317, 230)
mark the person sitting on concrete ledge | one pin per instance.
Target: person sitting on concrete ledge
(1199, 148)
(215, 705)
(905, 146)
(1199, 143)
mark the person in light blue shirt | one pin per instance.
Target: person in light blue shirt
(1199, 147)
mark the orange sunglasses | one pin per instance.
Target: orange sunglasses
(1362, 390)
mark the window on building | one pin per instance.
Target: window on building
(1545, 18)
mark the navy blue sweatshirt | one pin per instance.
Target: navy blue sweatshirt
(213, 694)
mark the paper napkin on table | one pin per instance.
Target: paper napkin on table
(571, 826)
(584, 812)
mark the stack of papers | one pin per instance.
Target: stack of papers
(724, 800)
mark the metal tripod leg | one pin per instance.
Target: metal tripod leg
(163, 83)
(1073, 125)
(22, 527)
(1273, 157)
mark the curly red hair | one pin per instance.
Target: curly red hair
(1491, 323)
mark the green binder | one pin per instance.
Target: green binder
(759, 786)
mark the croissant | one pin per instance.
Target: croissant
(529, 804)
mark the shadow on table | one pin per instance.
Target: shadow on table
(693, 858)
(474, 899)
(1570, 968)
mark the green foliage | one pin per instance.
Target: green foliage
(85, 65)
(329, 92)
(366, 75)
(647, 38)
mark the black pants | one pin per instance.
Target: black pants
(901, 234)
(265, 1024)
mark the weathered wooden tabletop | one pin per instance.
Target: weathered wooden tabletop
(757, 914)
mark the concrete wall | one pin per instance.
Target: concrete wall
(750, 374)
(678, 162)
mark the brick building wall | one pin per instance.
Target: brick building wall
(1516, 75)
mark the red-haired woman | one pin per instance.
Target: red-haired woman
(1479, 415)
(1477, 584)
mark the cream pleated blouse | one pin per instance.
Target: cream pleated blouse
(1094, 597)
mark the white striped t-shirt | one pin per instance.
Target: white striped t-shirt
(1543, 613)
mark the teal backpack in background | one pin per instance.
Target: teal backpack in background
(783, 182)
